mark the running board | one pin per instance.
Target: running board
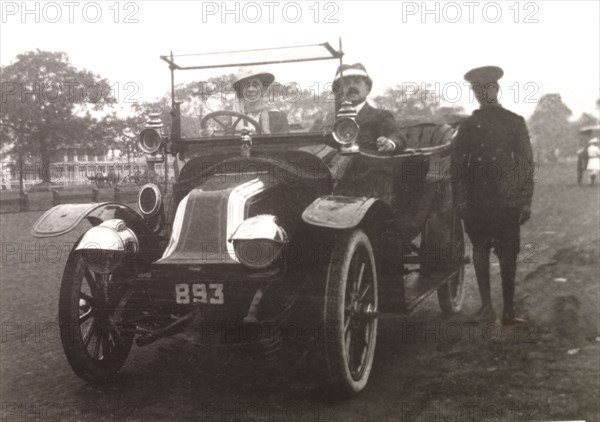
(417, 287)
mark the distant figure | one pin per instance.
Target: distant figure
(593, 162)
(112, 178)
(582, 162)
(494, 188)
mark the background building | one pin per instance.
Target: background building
(69, 167)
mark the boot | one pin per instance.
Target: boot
(509, 318)
(485, 313)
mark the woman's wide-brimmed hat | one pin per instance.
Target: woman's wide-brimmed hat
(265, 78)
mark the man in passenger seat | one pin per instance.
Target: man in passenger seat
(378, 129)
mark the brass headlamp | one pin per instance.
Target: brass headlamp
(345, 129)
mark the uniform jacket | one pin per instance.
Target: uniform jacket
(493, 163)
(374, 123)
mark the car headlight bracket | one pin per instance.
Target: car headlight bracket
(259, 241)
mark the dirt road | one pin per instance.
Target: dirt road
(427, 368)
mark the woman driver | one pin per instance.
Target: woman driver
(251, 100)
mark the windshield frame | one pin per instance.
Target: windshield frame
(171, 60)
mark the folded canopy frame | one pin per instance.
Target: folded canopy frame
(300, 53)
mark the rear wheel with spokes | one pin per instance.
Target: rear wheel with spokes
(92, 314)
(451, 294)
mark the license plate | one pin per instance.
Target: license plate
(212, 293)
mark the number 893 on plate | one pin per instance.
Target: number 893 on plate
(212, 293)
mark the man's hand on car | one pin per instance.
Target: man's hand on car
(384, 144)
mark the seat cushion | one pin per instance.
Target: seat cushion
(426, 135)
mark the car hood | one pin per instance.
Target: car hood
(216, 193)
(208, 216)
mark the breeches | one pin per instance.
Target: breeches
(502, 233)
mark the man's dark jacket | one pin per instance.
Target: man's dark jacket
(493, 164)
(374, 123)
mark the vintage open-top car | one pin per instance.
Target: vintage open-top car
(300, 228)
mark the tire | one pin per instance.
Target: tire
(451, 294)
(91, 333)
(350, 314)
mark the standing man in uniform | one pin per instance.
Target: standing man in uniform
(493, 187)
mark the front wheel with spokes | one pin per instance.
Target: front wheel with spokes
(91, 313)
(350, 317)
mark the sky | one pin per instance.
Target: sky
(543, 46)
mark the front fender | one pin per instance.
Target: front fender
(62, 219)
(342, 212)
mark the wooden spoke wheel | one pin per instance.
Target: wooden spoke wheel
(350, 317)
(91, 316)
(451, 294)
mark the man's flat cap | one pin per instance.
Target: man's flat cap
(356, 69)
(485, 74)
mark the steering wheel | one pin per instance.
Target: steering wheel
(230, 128)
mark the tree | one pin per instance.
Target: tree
(408, 107)
(550, 129)
(47, 105)
(196, 98)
